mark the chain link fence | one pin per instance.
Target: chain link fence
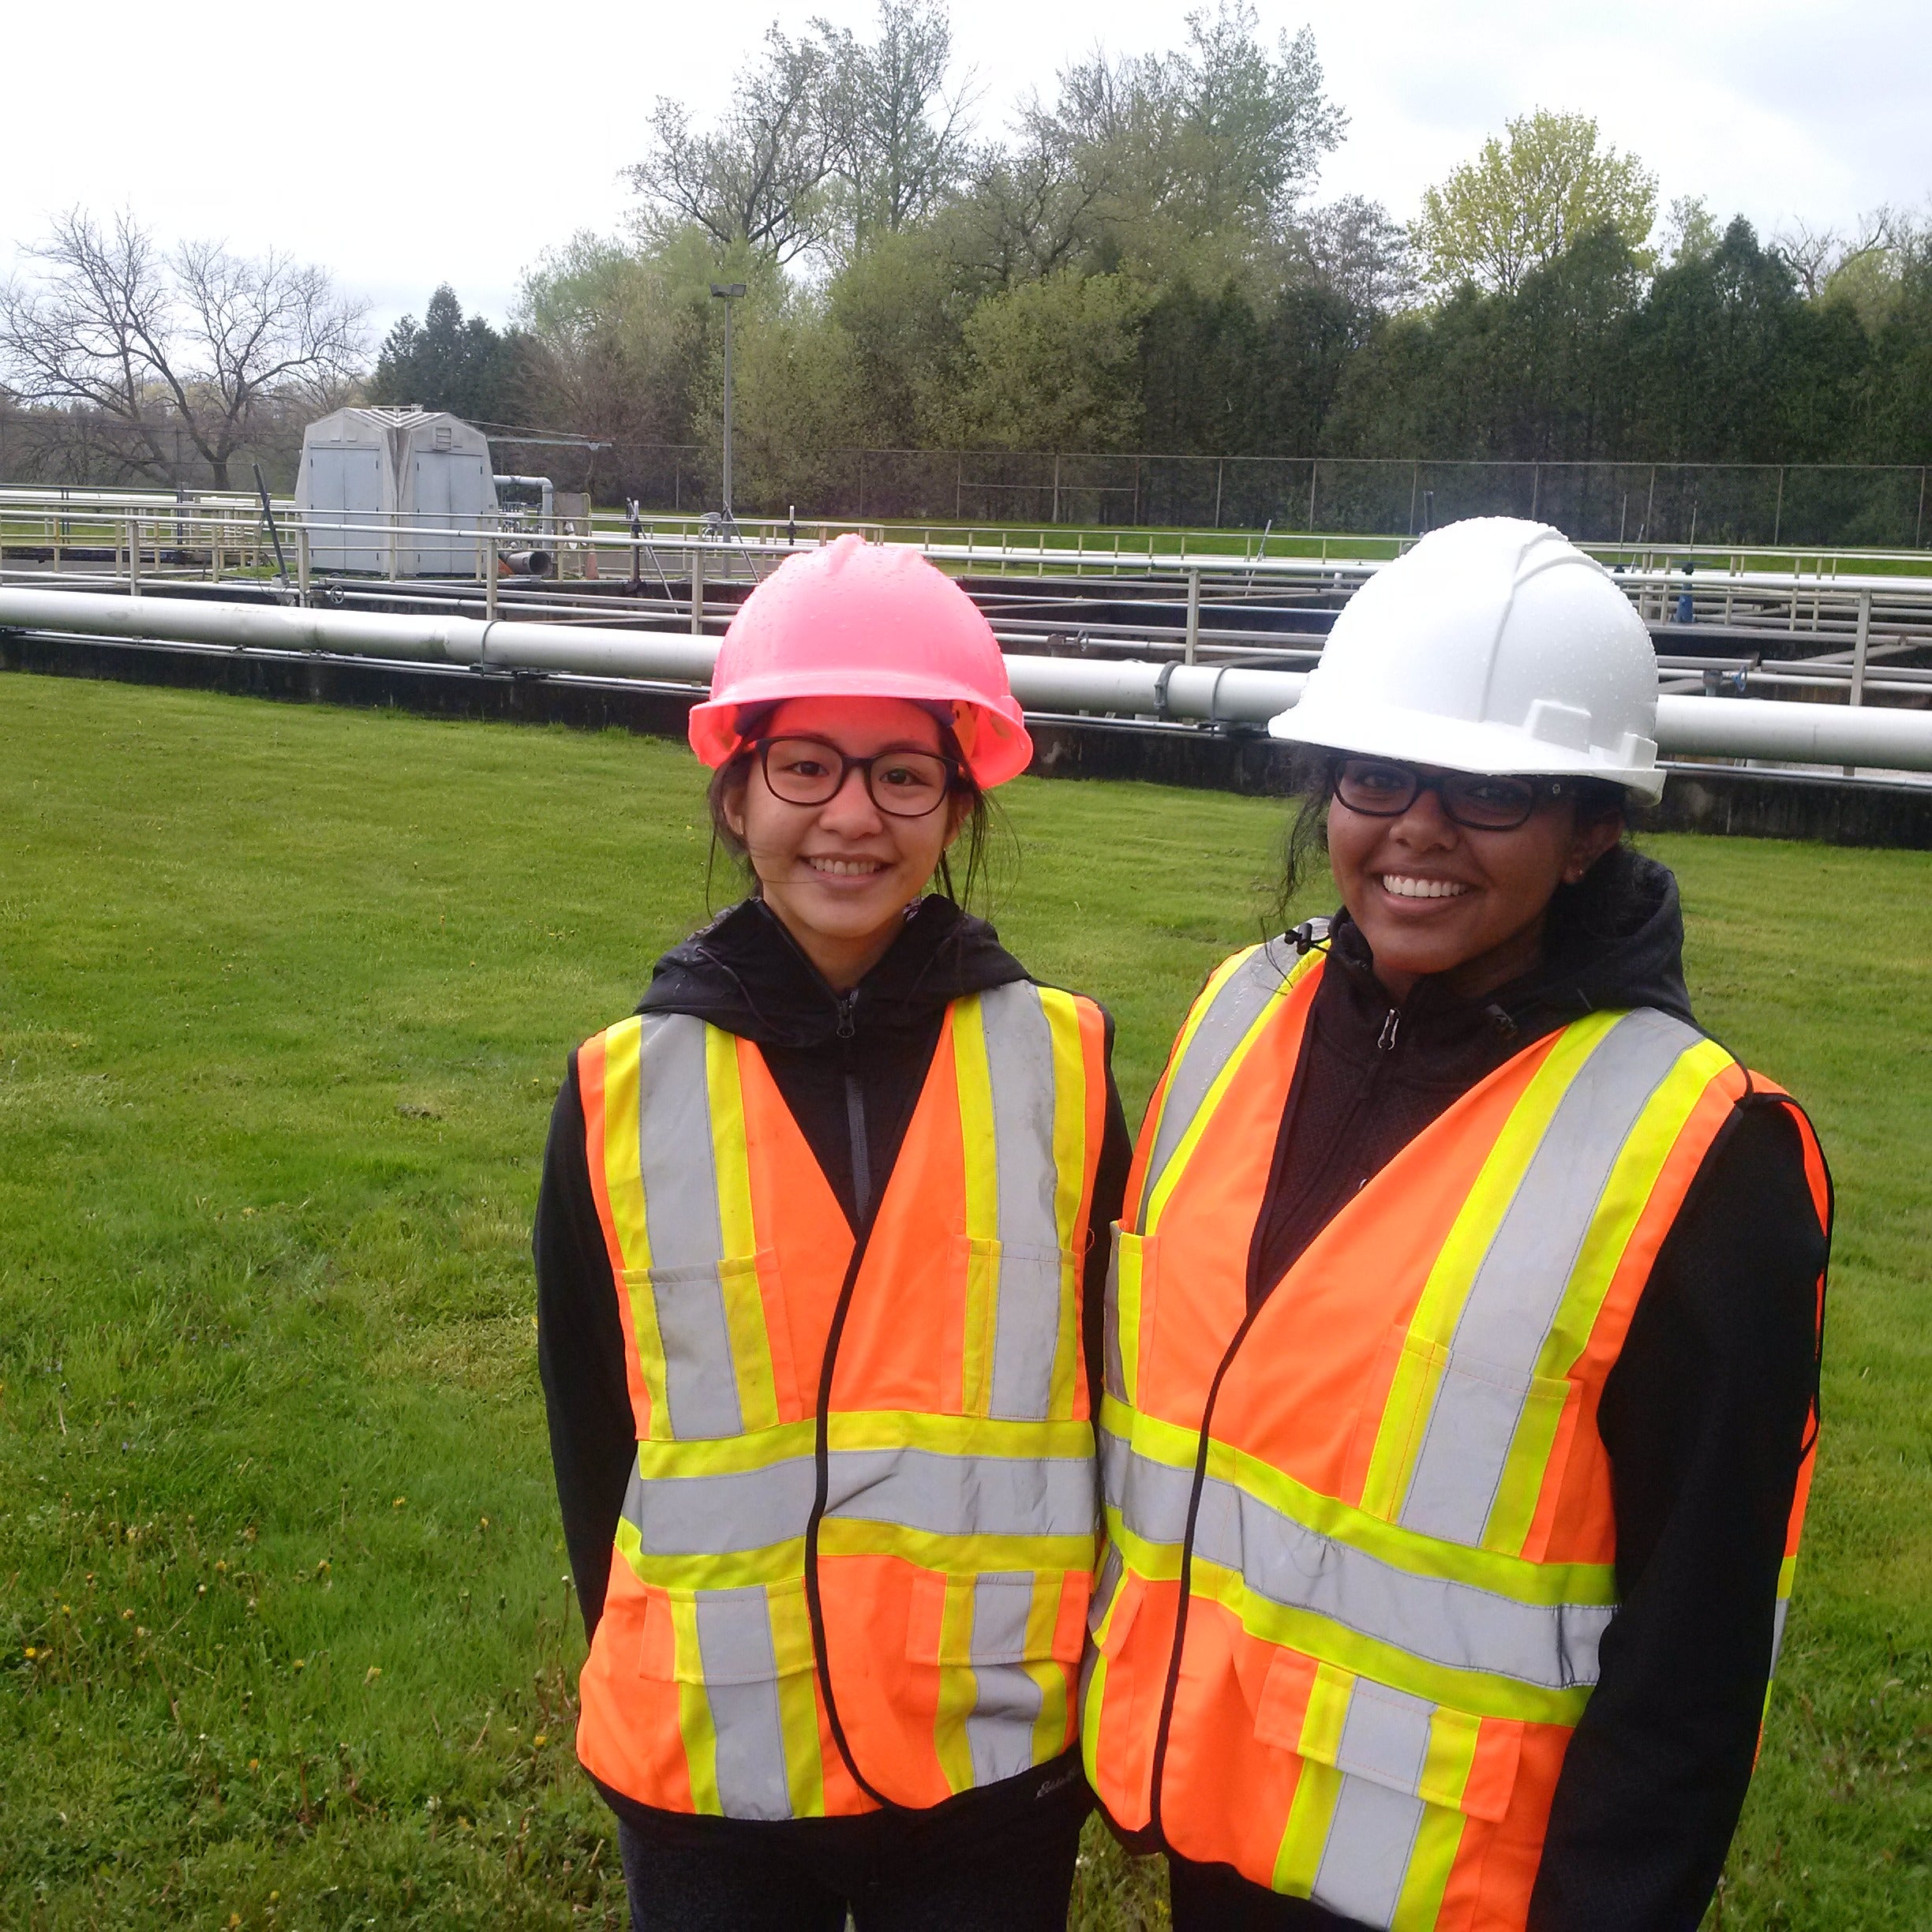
(1836, 505)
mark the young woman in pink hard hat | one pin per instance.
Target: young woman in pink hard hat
(818, 1319)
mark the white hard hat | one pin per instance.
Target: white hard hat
(1492, 645)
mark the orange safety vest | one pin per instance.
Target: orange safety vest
(854, 1561)
(1362, 1538)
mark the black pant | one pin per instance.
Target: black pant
(1216, 1898)
(805, 1876)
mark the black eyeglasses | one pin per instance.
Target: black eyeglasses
(903, 784)
(1478, 801)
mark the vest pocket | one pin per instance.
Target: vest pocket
(754, 1753)
(1129, 1308)
(1006, 1644)
(1461, 1447)
(1393, 1791)
(702, 1345)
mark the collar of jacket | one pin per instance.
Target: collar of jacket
(745, 973)
(1638, 962)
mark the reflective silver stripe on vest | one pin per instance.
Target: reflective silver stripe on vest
(1236, 1008)
(1020, 1067)
(679, 1173)
(1006, 1702)
(1778, 1619)
(724, 1516)
(1551, 1646)
(740, 1683)
(1151, 1497)
(966, 1495)
(1383, 1753)
(1520, 1284)
(1457, 1625)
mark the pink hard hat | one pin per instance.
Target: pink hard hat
(867, 620)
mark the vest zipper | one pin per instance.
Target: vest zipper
(1385, 1041)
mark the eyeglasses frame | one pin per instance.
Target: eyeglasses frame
(760, 749)
(1542, 790)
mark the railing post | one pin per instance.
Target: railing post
(134, 589)
(697, 600)
(1193, 617)
(1861, 645)
(490, 585)
(301, 561)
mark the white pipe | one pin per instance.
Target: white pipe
(1884, 736)
(547, 510)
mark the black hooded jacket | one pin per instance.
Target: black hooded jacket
(849, 1069)
(1704, 1415)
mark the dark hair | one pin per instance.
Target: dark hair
(1596, 908)
(983, 828)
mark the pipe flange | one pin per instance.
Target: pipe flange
(1162, 678)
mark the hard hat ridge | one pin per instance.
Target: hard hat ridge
(1493, 645)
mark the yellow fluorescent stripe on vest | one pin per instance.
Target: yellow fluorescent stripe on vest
(1129, 1263)
(1419, 1370)
(1788, 1577)
(1310, 1813)
(959, 1688)
(1070, 1151)
(972, 1074)
(1431, 1860)
(927, 1549)
(623, 1182)
(1184, 1149)
(1453, 1737)
(1134, 1212)
(744, 1311)
(1515, 1578)
(1480, 1692)
(694, 1722)
(1632, 1181)
(1049, 1726)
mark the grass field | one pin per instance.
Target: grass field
(284, 996)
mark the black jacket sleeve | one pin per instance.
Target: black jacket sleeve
(1705, 1417)
(580, 1355)
(1110, 1191)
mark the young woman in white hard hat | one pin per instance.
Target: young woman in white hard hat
(812, 1252)
(1462, 1341)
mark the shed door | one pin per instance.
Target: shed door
(451, 489)
(345, 490)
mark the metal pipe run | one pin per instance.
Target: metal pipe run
(1884, 736)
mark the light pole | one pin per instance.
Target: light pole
(727, 293)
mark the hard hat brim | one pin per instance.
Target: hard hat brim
(1458, 744)
(1001, 747)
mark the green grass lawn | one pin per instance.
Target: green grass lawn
(285, 995)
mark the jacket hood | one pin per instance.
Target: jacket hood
(746, 974)
(1616, 941)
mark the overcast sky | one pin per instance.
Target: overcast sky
(401, 145)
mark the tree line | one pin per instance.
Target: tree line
(1139, 260)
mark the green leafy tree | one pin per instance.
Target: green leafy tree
(1528, 198)
(1189, 161)
(1055, 365)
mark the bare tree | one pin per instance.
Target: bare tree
(194, 344)
(759, 176)
(1352, 246)
(1815, 255)
(899, 134)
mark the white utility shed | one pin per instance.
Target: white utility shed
(372, 482)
